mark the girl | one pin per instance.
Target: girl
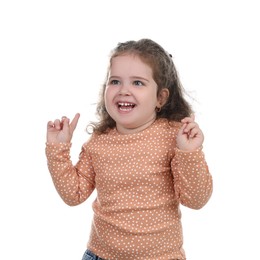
(144, 158)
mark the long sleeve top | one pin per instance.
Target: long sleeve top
(141, 179)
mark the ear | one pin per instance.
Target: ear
(162, 97)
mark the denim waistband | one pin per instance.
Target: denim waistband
(89, 254)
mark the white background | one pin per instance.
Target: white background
(53, 59)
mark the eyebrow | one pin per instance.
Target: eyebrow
(132, 77)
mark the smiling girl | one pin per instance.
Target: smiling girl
(144, 158)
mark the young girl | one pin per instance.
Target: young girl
(144, 158)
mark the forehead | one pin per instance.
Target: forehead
(130, 63)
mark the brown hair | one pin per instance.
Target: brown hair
(165, 75)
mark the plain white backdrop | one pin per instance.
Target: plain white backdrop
(53, 59)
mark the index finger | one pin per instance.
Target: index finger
(74, 122)
(188, 119)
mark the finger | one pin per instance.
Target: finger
(188, 119)
(194, 132)
(193, 117)
(65, 123)
(57, 124)
(50, 124)
(181, 131)
(74, 122)
(189, 127)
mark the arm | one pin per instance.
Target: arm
(192, 180)
(73, 183)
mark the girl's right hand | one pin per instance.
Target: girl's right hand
(61, 131)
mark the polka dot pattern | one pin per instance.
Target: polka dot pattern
(140, 180)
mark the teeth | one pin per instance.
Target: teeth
(125, 109)
(124, 104)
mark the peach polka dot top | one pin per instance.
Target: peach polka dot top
(140, 180)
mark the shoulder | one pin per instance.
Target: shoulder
(97, 139)
(167, 125)
(165, 130)
(92, 139)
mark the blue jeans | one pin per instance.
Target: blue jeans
(88, 255)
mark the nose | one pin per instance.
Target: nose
(124, 90)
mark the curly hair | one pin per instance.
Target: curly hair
(164, 74)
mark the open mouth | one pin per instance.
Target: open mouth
(125, 106)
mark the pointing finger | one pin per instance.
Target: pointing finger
(74, 122)
(188, 119)
(193, 117)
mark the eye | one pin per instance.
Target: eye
(138, 83)
(114, 82)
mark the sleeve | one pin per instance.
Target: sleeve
(192, 181)
(73, 183)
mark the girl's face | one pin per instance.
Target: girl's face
(131, 94)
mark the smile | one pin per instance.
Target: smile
(125, 106)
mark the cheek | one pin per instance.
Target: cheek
(108, 96)
(109, 90)
(107, 93)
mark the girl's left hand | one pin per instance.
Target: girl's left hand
(190, 136)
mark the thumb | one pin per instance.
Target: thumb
(181, 130)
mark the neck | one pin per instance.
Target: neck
(134, 130)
